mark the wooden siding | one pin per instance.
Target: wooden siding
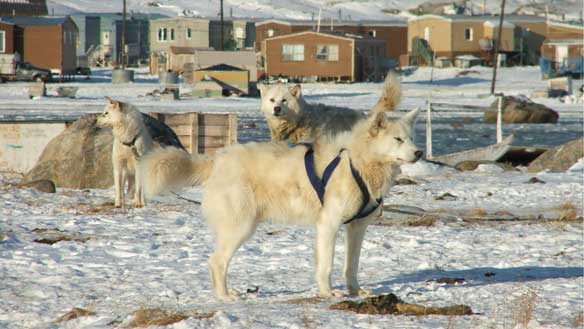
(58, 44)
(199, 33)
(395, 37)
(440, 34)
(9, 35)
(262, 32)
(310, 66)
(203, 133)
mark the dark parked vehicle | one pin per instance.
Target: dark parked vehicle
(13, 70)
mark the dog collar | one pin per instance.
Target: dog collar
(319, 184)
(132, 142)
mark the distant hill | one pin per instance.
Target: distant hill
(292, 9)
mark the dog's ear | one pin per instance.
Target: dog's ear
(410, 117)
(379, 123)
(116, 104)
(295, 91)
(263, 88)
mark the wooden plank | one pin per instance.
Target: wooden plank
(185, 141)
(232, 133)
(182, 129)
(209, 119)
(194, 138)
(209, 150)
(212, 141)
(213, 130)
(179, 119)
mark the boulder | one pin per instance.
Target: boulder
(559, 158)
(81, 156)
(521, 110)
(42, 185)
(470, 165)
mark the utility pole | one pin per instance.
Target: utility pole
(497, 45)
(222, 23)
(123, 56)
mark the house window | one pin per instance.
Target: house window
(189, 33)
(2, 41)
(171, 34)
(292, 52)
(468, 34)
(427, 33)
(270, 33)
(373, 33)
(162, 34)
(239, 34)
(327, 53)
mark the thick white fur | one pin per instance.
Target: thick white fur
(291, 118)
(245, 185)
(126, 123)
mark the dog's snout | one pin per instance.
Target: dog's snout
(418, 154)
(277, 110)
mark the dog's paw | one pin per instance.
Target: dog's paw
(231, 296)
(331, 293)
(360, 292)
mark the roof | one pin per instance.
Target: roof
(481, 18)
(182, 18)
(29, 20)
(222, 67)
(567, 25)
(495, 23)
(325, 34)
(186, 50)
(326, 22)
(563, 42)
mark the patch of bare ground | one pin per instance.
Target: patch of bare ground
(74, 314)
(146, 317)
(523, 309)
(305, 300)
(391, 304)
(569, 213)
(579, 320)
(54, 235)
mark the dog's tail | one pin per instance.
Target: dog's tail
(391, 95)
(170, 168)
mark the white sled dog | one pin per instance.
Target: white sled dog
(131, 141)
(243, 187)
(291, 118)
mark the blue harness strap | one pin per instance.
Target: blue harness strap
(319, 184)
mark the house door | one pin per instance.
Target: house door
(561, 53)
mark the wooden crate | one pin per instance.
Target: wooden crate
(202, 132)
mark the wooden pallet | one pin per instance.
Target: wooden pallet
(202, 132)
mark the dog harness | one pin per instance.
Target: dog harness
(319, 184)
(132, 146)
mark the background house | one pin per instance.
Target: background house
(8, 33)
(231, 79)
(453, 35)
(46, 42)
(393, 32)
(324, 56)
(23, 8)
(564, 48)
(238, 34)
(178, 32)
(100, 37)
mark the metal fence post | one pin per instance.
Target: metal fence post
(429, 131)
(500, 120)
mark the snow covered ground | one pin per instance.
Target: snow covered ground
(122, 260)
